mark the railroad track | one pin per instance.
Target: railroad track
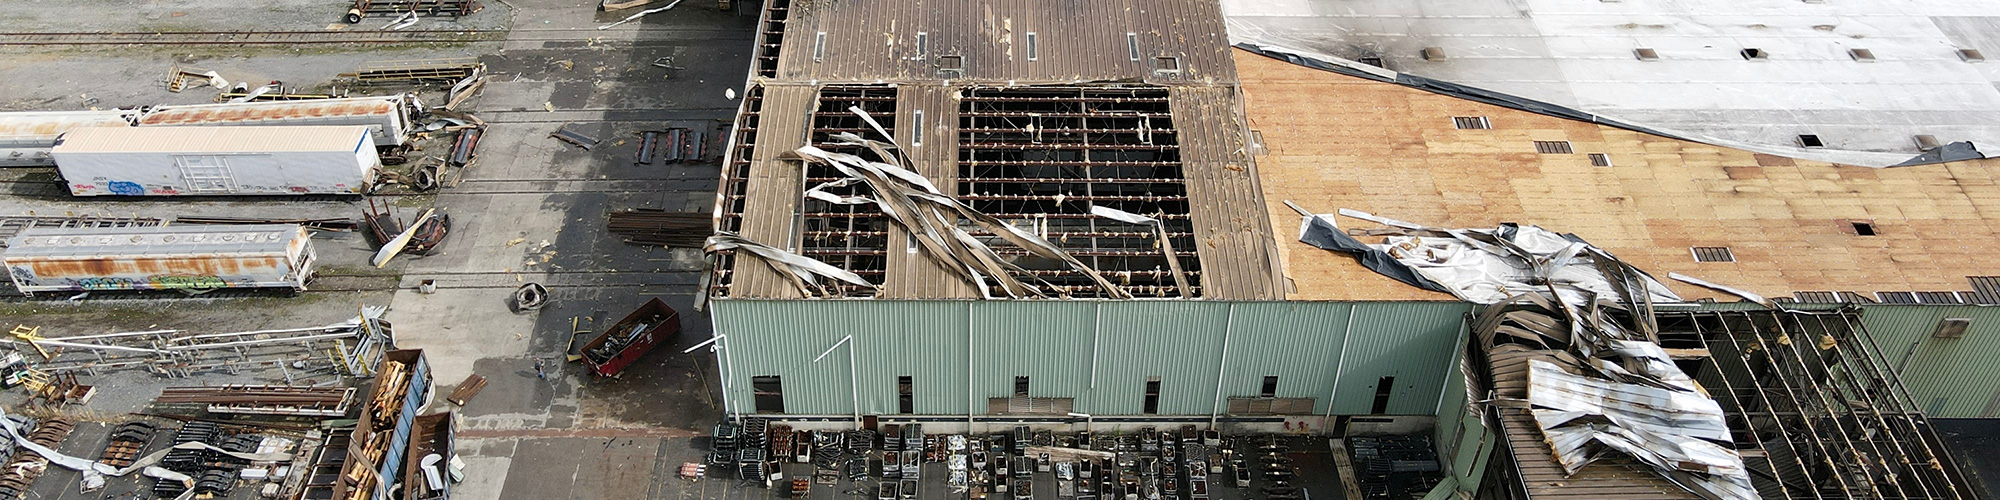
(250, 37)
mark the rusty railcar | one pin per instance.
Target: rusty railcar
(187, 258)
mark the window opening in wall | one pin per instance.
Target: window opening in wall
(1152, 404)
(1600, 160)
(1713, 254)
(1951, 328)
(769, 393)
(1034, 49)
(1132, 45)
(1021, 386)
(1863, 228)
(1383, 389)
(1554, 148)
(819, 47)
(1470, 123)
(1811, 141)
(917, 128)
(1166, 64)
(923, 44)
(1270, 388)
(906, 395)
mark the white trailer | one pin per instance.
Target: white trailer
(192, 161)
(26, 136)
(192, 258)
(389, 118)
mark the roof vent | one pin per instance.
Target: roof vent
(1646, 54)
(1810, 141)
(1971, 55)
(1754, 54)
(1375, 61)
(1470, 123)
(1434, 53)
(1926, 142)
(1713, 254)
(1554, 148)
(1951, 328)
(1861, 55)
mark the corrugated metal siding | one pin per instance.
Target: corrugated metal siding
(1412, 341)
(774, 188)
(1078, 41)
(914, 275)
(1298, 342)
(1238, 260)
(1181, 342)
(1050, 342)
(1949, 378)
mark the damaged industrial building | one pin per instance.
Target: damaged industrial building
(976, 220)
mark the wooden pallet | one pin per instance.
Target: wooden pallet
(467, 389)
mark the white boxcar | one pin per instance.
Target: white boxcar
(388, 118)
(183, 161)
(160, 258)
(26, 136)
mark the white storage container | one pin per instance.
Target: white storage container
(183, 161)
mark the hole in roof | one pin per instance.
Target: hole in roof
(1864, 228)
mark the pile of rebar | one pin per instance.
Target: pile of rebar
(263, 399)
(659, 227)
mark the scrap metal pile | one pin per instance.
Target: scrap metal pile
(1595, 381)
(262, 399)
(354, 344)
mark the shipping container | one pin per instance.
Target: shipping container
(388, 118)
(190, 258)
(186, 161)
(25, 137)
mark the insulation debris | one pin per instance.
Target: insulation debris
(1487, 266)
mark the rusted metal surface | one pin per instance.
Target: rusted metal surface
(388, 117)
(159, 258)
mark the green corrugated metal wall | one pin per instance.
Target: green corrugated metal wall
(1949, 378)
(1051, 343)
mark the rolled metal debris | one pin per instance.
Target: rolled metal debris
(530, 297)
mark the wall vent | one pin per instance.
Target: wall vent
(1554, 148)
(1470, 123)
(1713, 254)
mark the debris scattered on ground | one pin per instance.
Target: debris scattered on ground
(574, 138)
(420, 70)
(636, 17)
(179, 79)
(467, 389)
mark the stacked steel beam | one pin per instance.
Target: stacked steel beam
(658, 227)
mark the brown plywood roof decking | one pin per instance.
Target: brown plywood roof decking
(1030, 111)
(1336, 141)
